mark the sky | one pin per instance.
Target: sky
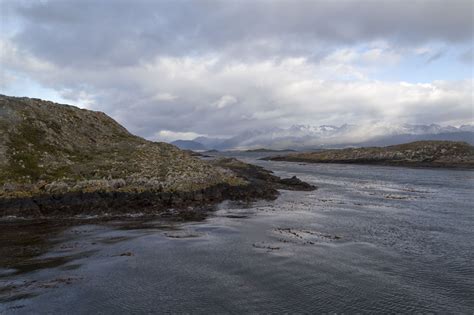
(177, 69)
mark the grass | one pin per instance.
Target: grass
(46, 143)
(24, 151)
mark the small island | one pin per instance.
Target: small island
(62, 161)
(445, 154)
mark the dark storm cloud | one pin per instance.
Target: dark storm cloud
(102, 33)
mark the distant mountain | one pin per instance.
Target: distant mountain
(328, 136)
(189, 145)
(262, 150)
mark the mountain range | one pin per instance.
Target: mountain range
(304, 137)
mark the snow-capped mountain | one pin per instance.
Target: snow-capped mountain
(310, 136)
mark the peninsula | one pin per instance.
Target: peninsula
(60, 161)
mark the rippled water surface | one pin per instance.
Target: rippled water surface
(370, 239)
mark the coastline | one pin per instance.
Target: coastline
(420, 154)
(182, 205)
(116, 203)
(410, 164)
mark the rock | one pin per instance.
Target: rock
(117, 183)
(262, 177)
(9, 187)
(294, 183)
(56, 187)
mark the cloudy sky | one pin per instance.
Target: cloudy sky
(178, 69)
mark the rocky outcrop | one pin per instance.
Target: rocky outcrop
(258, 176)
(59, 160)
(445, 154)
(117, 203)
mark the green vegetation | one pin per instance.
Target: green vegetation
(50, 147)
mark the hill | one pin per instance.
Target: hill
(43, 141)
(57, 160)
(420, 154)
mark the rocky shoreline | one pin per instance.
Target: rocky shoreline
(124, 203)
(60, 161)
(261, 184)
(423, 154)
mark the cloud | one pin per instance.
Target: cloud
(225, 101)
(6, 80)
(262, 94)
(178, 69)
(467, 56)
(165, 97)
(99, 33)
(170, 136)
(437, 55)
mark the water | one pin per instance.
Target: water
(370, 239)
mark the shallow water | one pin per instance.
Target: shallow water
(370, 239)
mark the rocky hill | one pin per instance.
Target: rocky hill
(419, 154)
(59, 159)
(45, 142)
